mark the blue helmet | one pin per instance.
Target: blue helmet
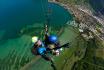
(52, 38)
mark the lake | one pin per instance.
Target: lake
(17, 15)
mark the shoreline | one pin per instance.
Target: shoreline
(84, 16)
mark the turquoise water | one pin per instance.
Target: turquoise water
(16, 15)
(57, 19)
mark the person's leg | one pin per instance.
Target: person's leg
(46, 57)
(53, 64)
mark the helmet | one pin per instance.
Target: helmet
(52, 38)
(34, 39)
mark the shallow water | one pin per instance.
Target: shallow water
(70, 34)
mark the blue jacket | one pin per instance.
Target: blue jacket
(41, 50)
